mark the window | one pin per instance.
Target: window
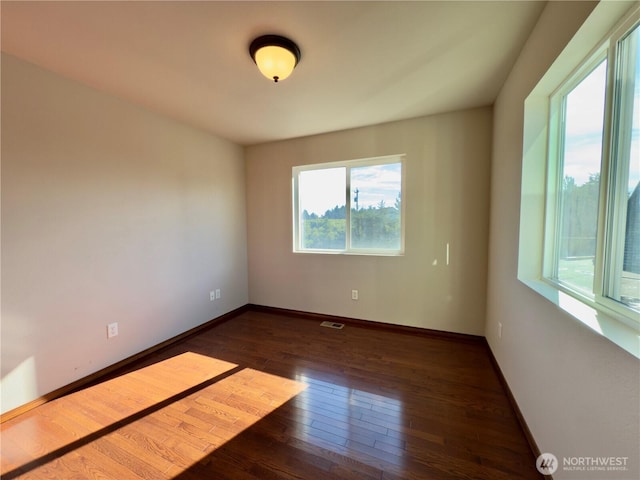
(579, 107)
(349, 207)
(579, 243)
(588, 255)
(580, 200)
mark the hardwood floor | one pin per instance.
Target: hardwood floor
(267, 396)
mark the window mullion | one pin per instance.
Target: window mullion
(603, 238)
(348, 210)
(559, 183)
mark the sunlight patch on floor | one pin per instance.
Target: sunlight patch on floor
(156, 421)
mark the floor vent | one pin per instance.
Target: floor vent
(335, 325)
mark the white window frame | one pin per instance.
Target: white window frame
(555, 155)
(348, 165)
(597, 38)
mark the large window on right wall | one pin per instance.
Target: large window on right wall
(593, 206)
(590, 212)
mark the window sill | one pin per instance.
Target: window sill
(599, 318)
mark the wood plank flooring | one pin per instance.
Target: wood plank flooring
(267, 396)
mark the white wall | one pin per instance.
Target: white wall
(578, 391)
(109, 214)
(446, 200)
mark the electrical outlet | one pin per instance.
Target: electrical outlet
(354, 294)
(217, 293)
(112, 330)
(212, 295)
(499, 330)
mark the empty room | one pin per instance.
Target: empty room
(372, 240)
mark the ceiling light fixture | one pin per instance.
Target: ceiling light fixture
(275, 56)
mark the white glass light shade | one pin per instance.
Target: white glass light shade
(275, 63)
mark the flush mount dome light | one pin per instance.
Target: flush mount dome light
(275, 56)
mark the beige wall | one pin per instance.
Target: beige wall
(446, 195)
(577, 390)
(109, 214)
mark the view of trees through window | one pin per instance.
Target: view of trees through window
(578, 240)
(376, 227)
(375, 208)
